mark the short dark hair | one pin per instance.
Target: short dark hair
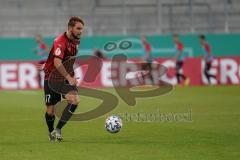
(73, 20)
(175, 35)
(202, 37)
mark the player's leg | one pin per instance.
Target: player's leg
(73, 101)
(51, 98)
(178, 74)
(149, 66)
(207, 68)
(181, 73)
(144, 66)
(50, 117)
(185, 78)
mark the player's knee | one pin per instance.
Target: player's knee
(50, 111)
(74, 99)
(205, 71)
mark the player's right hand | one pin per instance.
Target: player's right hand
(72, 81)
(40, 67)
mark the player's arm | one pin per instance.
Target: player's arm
(40, 66)
(59, 48)
(61, 69)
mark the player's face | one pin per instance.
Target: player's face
(77, 30)
(38, 38)
(176, 39)
(144, 39)
(201, 41)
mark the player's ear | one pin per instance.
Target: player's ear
(70, 28)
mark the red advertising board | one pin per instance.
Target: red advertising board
(24, 75)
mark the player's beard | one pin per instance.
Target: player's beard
(75, 36)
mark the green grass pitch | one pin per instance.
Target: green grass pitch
(212, 134)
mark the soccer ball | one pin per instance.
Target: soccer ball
(113, 124)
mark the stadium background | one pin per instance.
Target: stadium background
(115, 21)
(214, 130)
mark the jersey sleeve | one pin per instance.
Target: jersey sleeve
(59, 49)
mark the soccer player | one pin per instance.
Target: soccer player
(180, 57)
(40, 50)
(147, 57)
(208, 58)
(65, 46)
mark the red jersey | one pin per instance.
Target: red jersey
(147, 47)
(179, 46)
(43, 46)
(207, 53)
(207, 48)
(62, 48)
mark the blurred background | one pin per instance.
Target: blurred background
(28, 28)
(24, 18)
(197, 120)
